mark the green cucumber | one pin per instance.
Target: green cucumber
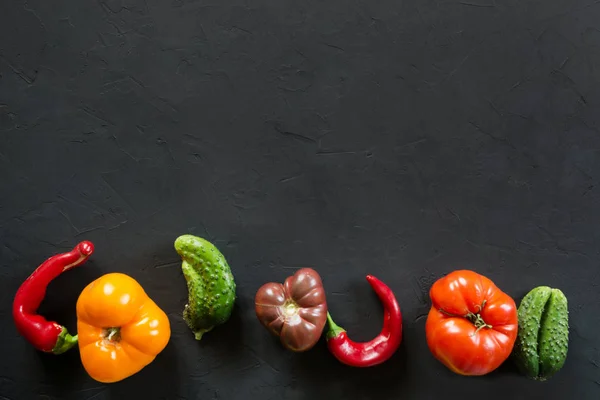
(210, 283)
(543, 339)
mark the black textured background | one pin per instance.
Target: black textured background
(399, 138)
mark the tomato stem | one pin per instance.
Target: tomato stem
(112, 334)
(290, 308)
(474, 318)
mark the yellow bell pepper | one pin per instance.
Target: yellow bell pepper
(121, 330)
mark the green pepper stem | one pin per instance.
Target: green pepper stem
(334, 329)
(64, 342)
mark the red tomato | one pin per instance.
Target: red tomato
(472, 325)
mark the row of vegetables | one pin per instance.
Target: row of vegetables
(472, 327)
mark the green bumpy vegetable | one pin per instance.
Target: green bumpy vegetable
(211, 287)
(543, 340)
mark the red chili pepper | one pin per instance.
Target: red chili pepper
(382, 347)
(44, 335)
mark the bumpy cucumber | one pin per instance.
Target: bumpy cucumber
(543, 340)
(210, 284)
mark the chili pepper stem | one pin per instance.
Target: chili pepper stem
(64, 342)
(334, 329)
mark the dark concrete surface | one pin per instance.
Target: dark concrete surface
(399, 138)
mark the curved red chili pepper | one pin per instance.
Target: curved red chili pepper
(382, 347)
(45, 335)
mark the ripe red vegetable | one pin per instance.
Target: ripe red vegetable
(472, 325)
(46, 336)
(377, 350)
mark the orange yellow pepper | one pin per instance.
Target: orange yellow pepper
(121, 330)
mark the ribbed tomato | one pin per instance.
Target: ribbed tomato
(472, 325)
(121, 330)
